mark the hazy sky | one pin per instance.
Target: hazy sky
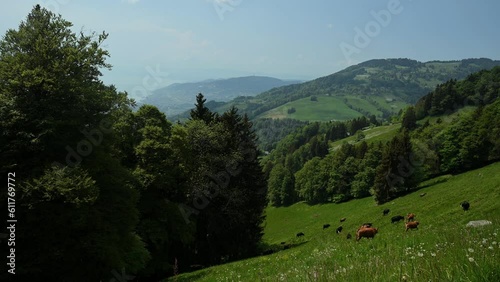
(155, 43)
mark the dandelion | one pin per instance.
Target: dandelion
(471, 250)
(490, 247)
(471, 259)
(433, 254)
(420, 254)
(494, 242)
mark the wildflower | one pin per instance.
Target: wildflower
(494, 242)
(433, 254)
(471, 259)
(420, 254)
(490, 247)
(471, 250)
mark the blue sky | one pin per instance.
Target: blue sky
(155, 43)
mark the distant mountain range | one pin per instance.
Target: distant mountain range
(180, 97)
(379, 87)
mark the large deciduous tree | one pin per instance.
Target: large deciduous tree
(76, 202)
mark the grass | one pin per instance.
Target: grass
(324, 109)
(442, 249)
(376, 134)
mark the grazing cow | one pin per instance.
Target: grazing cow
(325, 226)
(368, 232)
(349, 236)
(410, 217)
(465, 205)
(339, 229)
(411, 225)
(397, 218)
(365, 225)
(343, 219)
(300, 234)
(423, 194)
(286, 247)
(386, 211)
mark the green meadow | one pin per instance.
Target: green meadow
(441, 249)
(326, 108)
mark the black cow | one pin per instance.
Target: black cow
(283, 243)
(397, 218)
(300, 234)
(339, 229)
(349, 236)
(386, 211)
(325, 226)
(465, 205)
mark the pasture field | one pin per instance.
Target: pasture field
(326, 108)
(381, 133)
(442, 249)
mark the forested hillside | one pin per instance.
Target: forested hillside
(101, 189)
(379, 87)
(306, 166)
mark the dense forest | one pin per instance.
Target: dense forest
(304, 167)
(102, 189)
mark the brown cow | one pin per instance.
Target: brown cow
(364, 225)
(368, 232)
(412, 225)
(410, 217)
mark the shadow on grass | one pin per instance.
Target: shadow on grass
(271, 249)
(186, 277)
(434, 181)
(267, 250)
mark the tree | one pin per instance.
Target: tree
(312, 181)
(201, 112)
(228, 185)
(409, 121)
(396, 174)
(56, 119)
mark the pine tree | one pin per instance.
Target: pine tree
(409, 121)
(201, 112)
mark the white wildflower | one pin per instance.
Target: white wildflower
(433, 254)
(471, 259)
(471, 250)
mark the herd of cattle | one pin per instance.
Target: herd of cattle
(366, 230)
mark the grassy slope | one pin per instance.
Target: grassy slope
(325, 109)
(331, 108)
(443, 249)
